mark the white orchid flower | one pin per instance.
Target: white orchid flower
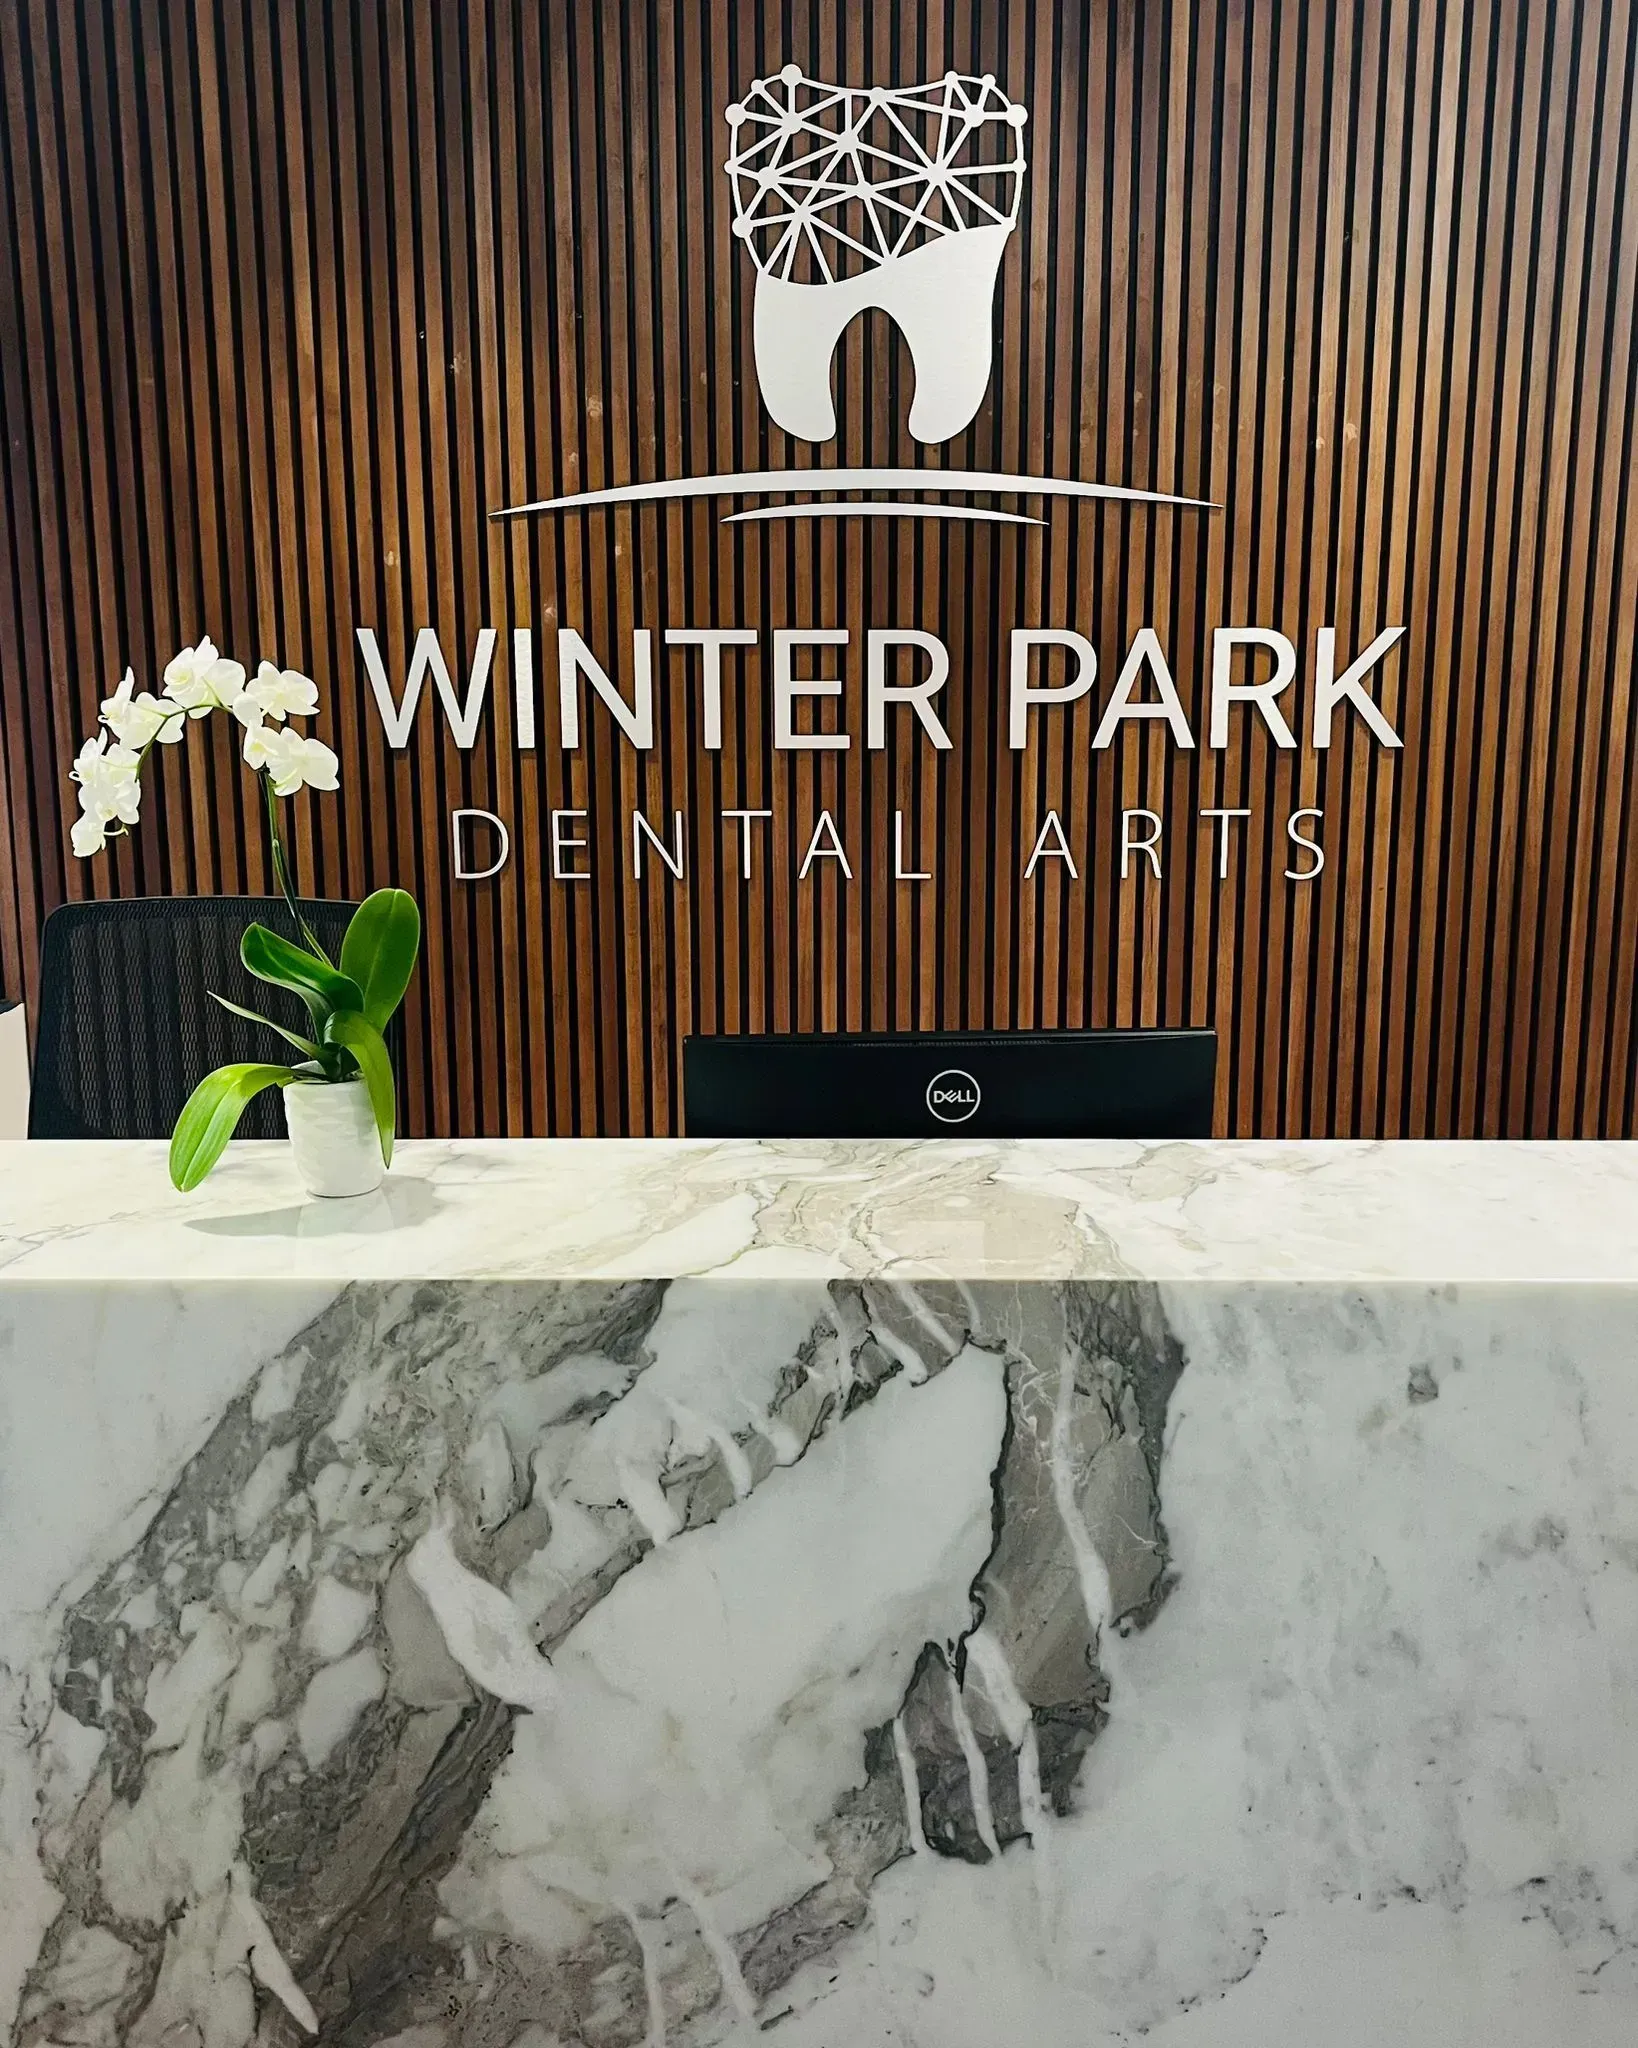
(198, 680)
(108, 779)
(291, 761)
(88, 835)
(201, 680)
(137, 721)
(283, 693)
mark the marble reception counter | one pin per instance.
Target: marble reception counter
(918, 1594)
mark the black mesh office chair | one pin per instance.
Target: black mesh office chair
(127, 1030)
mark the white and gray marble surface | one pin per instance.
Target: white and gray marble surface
(918, 1594)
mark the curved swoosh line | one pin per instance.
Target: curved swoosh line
(873, 508)
(744, 483)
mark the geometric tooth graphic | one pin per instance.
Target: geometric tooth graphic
(896, 198)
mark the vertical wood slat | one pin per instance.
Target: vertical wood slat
(293, 295)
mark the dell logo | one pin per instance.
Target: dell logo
(953, 1096)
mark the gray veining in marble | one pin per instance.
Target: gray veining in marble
(284, 1724)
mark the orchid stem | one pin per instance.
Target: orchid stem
(281, 868)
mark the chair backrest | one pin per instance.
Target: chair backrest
(127, 1028)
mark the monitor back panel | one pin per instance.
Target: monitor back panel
(1025, 1084)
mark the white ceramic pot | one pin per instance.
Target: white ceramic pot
(333, 1135)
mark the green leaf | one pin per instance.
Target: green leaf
(379, 951)
(301, 1044)
(320, 987)
(211, 1115)
(355, 1031)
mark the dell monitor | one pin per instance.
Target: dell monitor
(949, 1084)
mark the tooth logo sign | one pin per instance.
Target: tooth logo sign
(900, 199)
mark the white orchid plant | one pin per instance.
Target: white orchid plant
(350, 1001)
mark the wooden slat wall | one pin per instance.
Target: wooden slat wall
(295, 291)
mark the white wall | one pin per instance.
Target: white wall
(13, 1074)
